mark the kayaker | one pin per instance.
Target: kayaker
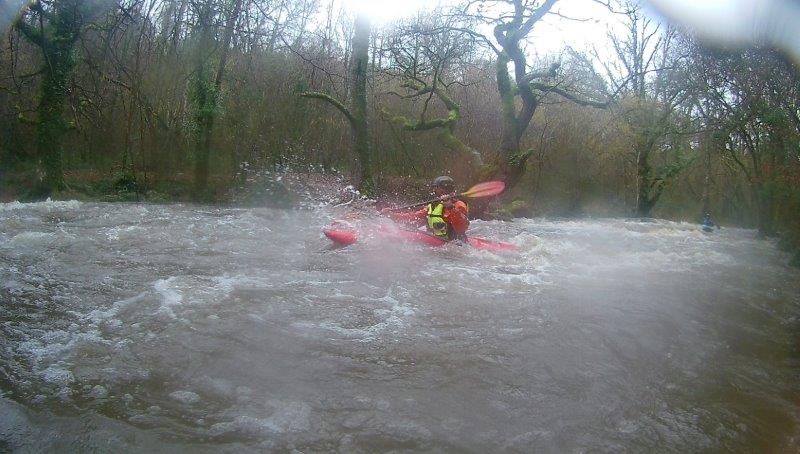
(708, 224)
(446, 219)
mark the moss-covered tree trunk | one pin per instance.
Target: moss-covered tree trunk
(510, 164)
(205, 92)
(651, 128)
(358, 93)
(650, 183)
(511, 161)
(204, 100)
(51, 126)
(55, 34)
(206, 106)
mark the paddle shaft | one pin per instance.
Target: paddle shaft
(485, 189)
(419, 204)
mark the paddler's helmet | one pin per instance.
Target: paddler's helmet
(444, 182)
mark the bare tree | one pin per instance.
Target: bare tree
(425, 55)
(649, 72)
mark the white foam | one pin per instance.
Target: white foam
(58, 375)
(186, 397)
(98, 392)
(170, 296)
(244, 425)
(98, 315)
(287, 417)
(114, 233)
(395, 316)
(226, 284)
(15, 205)
(48, 204)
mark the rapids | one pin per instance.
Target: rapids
(131, 327)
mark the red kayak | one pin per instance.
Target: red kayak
(345, 237)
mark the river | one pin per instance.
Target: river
(180, 328)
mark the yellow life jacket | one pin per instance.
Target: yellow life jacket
(436, 223)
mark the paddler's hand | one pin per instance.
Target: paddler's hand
(450, 201)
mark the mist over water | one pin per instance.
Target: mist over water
(144, 327)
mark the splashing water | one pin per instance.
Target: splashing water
(195, 328)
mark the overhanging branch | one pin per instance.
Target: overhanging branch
(410, 125)
(550, 72)
(335, 102)
(571, 96)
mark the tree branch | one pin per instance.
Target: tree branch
(335, 102)
(571, 96)
(409, 125)
(538, 14)
(421, 92)
(551, 72)
(474, 34)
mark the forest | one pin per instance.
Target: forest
(212, 100)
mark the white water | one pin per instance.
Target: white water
(189, 328)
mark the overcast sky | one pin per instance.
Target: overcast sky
(549, 35)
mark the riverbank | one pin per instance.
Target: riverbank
(92, 185)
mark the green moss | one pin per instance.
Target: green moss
(519, 159)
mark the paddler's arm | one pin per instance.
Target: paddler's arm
(456, 216)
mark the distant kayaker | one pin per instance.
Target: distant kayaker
(446, 219)
(708, 224)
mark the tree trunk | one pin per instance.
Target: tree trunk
(708, 145)
(644, 201)
(210, 99)
(358, 92)
(766, 225)
(511, 161)
(205, 104)
(56, 41)
(51, 126)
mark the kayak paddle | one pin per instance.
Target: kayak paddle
(485, 189)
